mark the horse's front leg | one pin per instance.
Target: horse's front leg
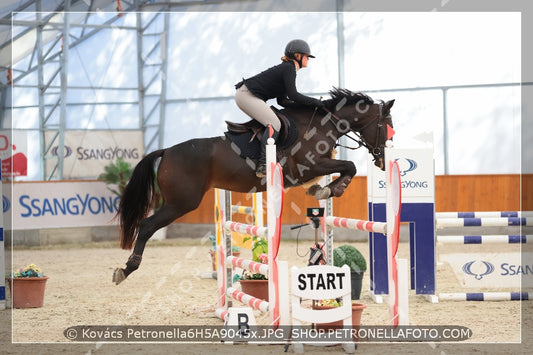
(336, 187)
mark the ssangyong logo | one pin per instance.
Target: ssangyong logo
(68, 151)
(489, 268)
(6, 204)
(406, 165)
(106, 153)
(416, 181)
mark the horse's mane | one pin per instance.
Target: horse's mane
(338, 94)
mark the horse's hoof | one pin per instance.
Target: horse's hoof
(339, 191)
(313, 189)
(118, 276)
(323, 193)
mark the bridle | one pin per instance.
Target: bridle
(376, 151)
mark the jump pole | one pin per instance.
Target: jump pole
(255, 211)
(488, 214)
(418, 208)
(486, 296)
(484, 239)
(483, 222)
(424, 253)
(484, 219)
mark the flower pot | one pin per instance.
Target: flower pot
(28, 292)
(255, 288)
(357, 311)
(357, 283)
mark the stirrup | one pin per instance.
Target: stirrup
(260, 172)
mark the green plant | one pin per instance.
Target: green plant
(117, 174)
(349, 255)
(259, 255)
(254, 276)
(329, 303)
(235, 249)
(260, 246)
(29, 271)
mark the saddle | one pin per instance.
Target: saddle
(247, 136)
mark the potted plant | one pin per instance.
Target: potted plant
(27, 287)
(256, 284)
(116, 176)
(357, 311)
(349, 255)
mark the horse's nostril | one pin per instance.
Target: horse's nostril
(379, 163)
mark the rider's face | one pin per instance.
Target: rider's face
(305, 59)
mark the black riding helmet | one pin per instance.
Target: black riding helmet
(297, 46)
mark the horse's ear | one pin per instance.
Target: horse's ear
(388, 105)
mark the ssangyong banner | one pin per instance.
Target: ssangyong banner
(88, 152)
(36, 205)
(489, 270)
(416, 173)
(14, 153)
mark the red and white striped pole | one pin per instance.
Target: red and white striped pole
(397, 268)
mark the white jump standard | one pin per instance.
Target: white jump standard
(388, 234)
(278, 304)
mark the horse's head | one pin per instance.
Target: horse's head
(370, 121)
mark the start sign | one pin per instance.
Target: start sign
(321, 281)
(327, 281)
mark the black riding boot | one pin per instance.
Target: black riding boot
(260, 170)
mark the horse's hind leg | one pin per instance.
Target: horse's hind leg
(147, 228)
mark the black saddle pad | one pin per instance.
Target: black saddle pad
(252, 149)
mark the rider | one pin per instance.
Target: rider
(276, 82)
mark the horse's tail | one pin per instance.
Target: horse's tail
(136, 200)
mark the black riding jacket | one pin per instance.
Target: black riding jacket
(277, 82)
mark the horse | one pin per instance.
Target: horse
(189, 169)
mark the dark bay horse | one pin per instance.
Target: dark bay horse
(189, 169)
